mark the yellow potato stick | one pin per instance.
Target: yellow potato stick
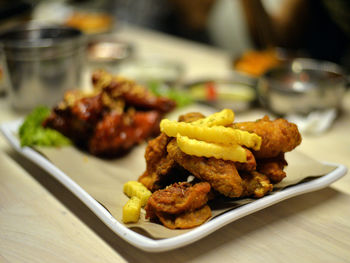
(134, 188)
(131, 210)
(215, 134)
(189, 146)
(223, 118)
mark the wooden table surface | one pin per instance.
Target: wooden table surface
(41, 221)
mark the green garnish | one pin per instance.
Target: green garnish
(180, 97)
(32, 132)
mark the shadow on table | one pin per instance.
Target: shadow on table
(231, 233)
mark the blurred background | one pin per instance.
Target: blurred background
(318, 29)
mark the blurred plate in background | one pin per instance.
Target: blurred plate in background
(223, 93)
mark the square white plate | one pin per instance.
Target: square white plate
(145, 243)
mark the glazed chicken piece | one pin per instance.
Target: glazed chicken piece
(77, 121)
(180, 205)
(222, 175)
(109, 121)
(133, 94)
(278, 136)
(116, 133)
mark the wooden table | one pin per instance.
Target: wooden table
(41, 221)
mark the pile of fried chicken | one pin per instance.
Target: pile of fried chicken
(111, 119)
(177, 203)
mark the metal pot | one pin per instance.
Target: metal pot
(43, 62)
(302, 86)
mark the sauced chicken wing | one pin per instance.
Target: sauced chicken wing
(133, 94)
(117, 133)
(222, 175)
(111, 119)
(278, 136)
(77, 121)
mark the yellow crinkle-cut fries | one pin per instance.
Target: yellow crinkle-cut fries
(134, 188)
(194, 147)
(131, 210)
(223, 118)
(215, 134)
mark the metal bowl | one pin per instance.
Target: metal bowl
(43, 62)
(108, 52)
(302, 86)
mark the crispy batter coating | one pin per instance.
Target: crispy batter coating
(186, 220)
(161, 170)
(178, 198)
(278, 136)
(256, 184)
(250, 165)
(273, 168)
(222, 175)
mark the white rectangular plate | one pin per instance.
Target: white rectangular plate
(145, 243)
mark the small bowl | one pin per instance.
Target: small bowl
(43, 62)
(302, 86)
(108, 52)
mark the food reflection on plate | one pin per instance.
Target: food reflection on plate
(197, 159)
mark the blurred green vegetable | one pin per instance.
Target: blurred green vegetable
(180, 97)
(32, 133)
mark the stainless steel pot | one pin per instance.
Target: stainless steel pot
(43, 62)
(302, 86)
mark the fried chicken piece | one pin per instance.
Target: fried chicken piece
(161, 170)
(256, 184)
(278, 136)
(116, 133)
(250, 165)
(273, 168)
(185, 220)
(133, 94)
(222, 175)
(177, 198)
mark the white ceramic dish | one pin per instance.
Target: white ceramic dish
(145, 243)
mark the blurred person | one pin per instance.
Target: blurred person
(320, 28)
